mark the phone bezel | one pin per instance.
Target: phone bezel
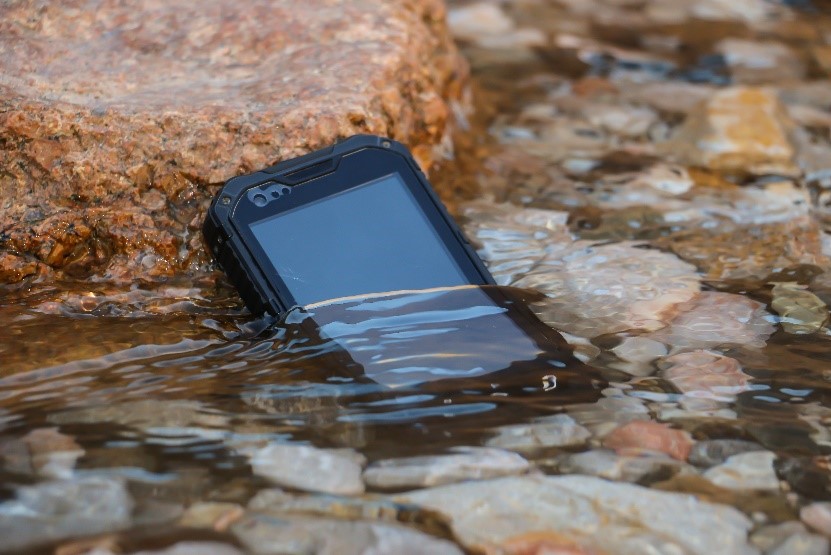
(349, 171)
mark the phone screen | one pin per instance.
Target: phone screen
(372, 238)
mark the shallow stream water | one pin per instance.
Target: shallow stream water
(651, 179)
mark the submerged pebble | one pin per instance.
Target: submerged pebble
(750, 470)
(623, 468)
(264, 533)
(644, 436)
(487, 516)
(61, 509)
(704, 374)
(559, 430)
(309, 468)
(801, 311)
(463, 463)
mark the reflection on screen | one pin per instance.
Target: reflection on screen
(369, 239)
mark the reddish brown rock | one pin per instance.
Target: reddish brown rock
(120, 119)
(643, 435)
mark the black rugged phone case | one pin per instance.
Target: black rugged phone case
(234, 257)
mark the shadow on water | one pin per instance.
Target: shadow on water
(409, 373)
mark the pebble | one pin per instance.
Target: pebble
(818, 517)
(752, 62)
(737, 130)
(640, 349)
(596, 290)
(55, 510)
(146, 415)
(486, 516)
(559, 430)
(481, 19)
(604, 415)
(771, 536)
(704, 374)
(647, 436)
(211, 514)
(803, 544)
(801, 311)
(263, 533)
(713, 319)
(43, 451)
(308, 468)
(608, 465)
(463, 463)
(751, 470)
(713, 452)
(190, 548)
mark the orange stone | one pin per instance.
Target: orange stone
(643, 436)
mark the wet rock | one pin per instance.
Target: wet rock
(191, 548)
(822, 56)
(463, 463)
(770, 537)
(43, 451)
(753, 62)
(713, 319)
(215, 515)
(808, 476)
(643, 435)
(119, 162)
(487, 516)
(802, 544)
(801, 311)
(559, 430)
(704, 374)
(751, 470)
(752, 252)
(473, 21)
(818, 517)
(146, 415)
(608, 413)
(738, 130)
(640, 350)
(596, 290)
(275, 501)
(713, 452)
(51, 511)
(263, 533)
(606, 464)
(749, 11)
(309, 468)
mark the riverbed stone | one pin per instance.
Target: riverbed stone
(768, 538)
(462, 463)
(753, 62)
(751, 470)
(107, 170)
(801, 311)
(189, 548)
(647, 436)
(712, 452)
(268, 534)
(611, 466)
(60, 509)
(802, 544)
(43, 451)
(705, 374)
(601, 515)
(308, 468)
(559, 430)
(818, 517)
(741, 130)
(713, 319)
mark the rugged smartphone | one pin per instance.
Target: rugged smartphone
(356, 218)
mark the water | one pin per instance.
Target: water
(636, 251)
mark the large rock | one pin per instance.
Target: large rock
(603, 516)
(119, 119)
(739, 130)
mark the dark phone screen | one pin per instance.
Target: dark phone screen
(372, 238)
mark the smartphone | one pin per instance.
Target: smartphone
(353, 219)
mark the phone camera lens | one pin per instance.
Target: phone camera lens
(285, 190)
(260, 200)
